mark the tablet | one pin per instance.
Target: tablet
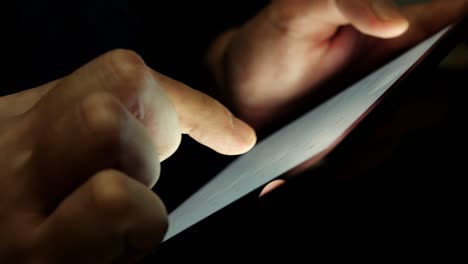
(310, 137)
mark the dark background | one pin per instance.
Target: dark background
(394, 188)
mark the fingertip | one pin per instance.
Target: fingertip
(391, 21)
(377, 18)
(237, 139)
(271, 187)
(392, 29)
(246, 134)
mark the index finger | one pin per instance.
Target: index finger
(423, 23)
(206, 120)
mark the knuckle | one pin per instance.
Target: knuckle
(128, 68)
(103, 114)
(139, 228)
(110, 194)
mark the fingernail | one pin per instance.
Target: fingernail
(386, 9)
(246, 132)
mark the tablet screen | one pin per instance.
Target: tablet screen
(309, 136)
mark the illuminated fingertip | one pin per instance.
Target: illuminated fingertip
(395, 28)
(245, 133)
(271, 187)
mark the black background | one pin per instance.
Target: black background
(396, 187)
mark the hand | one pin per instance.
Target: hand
(79, 155)
(277, 61)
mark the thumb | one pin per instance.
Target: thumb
(111, 218)
(318, 20)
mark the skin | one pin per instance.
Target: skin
(80, 154)
(296, 50)
(275, 62)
